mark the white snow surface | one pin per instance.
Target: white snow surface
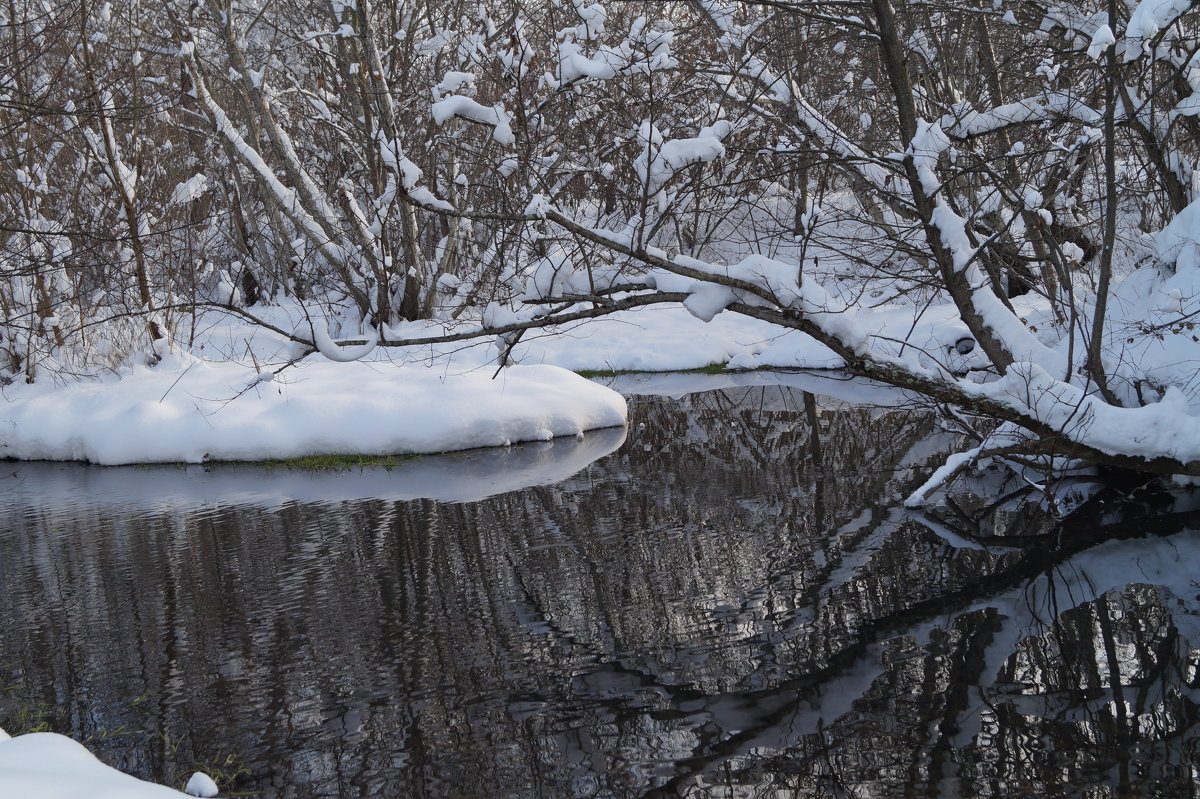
(221, 400)
(1165, 428)
(201, 785)
(44, 765)
(1101, 40)
(661, 158)
(574, 65)
(189, 410)
(1148, 19)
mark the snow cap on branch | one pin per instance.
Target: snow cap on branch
(336, 352)
(459, 106)
(925, 148)
(1102, 39)
(1146, 21)
(661, 158)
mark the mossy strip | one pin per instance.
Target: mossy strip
(319, 463)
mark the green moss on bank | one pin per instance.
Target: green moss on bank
(319, 463)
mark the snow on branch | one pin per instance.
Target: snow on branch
(661, 158)
(814, 122)
(755, 282)
(573, 65)
(1163, 429)
(593, 17)
(925, 149)
(1150, 17)
(394, 159)
(337, 352)
(286, 198)
(189, 190)
(646, 49)
(458, 106)
(966, 123)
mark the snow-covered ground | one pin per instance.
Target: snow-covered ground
(219, 398)
(228, 390)
(191, 410)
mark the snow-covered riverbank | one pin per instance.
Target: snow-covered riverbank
(227, 395)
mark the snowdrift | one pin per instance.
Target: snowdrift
(193, 411)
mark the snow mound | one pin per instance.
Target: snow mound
(44, 765)
(201, 785)
(193, 411)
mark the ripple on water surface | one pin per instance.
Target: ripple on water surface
(729, 600)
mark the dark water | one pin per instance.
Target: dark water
(728, 602)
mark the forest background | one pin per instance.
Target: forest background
(989, 204)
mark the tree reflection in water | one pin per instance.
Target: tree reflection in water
(733, 604)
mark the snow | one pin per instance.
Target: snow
(661, 158)
(1189, 106)
(1164, 428)
(1102, 39)
(44, 765)
(427, 198)
(1148, 19)
(202, 785)
(287, 197)
(189, 190)
(393, 156)
(574, 65)
(967, 123)
(1179, 242)
(453, 82)
(189, 410)
(594, 17)
(222, 399)
(336, 352)
(670, 337)
(459, 106)
(219, 403)
(706, 300)
(556, 274)
(927, 145)
(539, 205)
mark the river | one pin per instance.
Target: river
(727, 599)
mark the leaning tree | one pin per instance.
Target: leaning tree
(967, 152)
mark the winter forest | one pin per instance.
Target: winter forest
(248, 230)
(419, 173)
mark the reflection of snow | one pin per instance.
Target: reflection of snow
(459, 477)
(1033, 619)
(832, 389)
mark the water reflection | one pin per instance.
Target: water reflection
(467, 476)
(730, 604)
